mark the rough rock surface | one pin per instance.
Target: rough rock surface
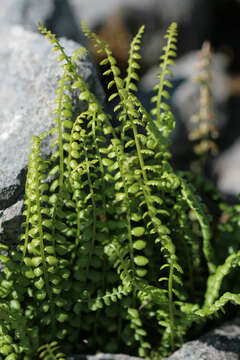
(220, 344)
(99, 10)
(56, 15)
(10, 221)
(103, 357)
(157, 16)
(227, 169)
(64, 21)
(26, 12)
(29, 72)
(186, 97)
(193, 18)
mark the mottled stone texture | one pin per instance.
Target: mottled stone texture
(29, 73)
(26, 12)
(103, 357)
(220, 344)
(227, 169)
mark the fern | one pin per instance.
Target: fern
(169, 53)
(47, 352)
(117, 248)
(132, 62)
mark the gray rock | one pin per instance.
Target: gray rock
(220, 344)
(29, 73)
(185, 94)
(57, 15)
(10, 222)
(65, 21)
(98, 11)
(26, 12)
(186, 97)
(101, 356)
(193, 18)
(227, 170)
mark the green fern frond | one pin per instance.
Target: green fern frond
(140, 333)
(35, 228)
(198, 208)
(113, 68)
(116, 243)
(215, 280)
(132, 61)
(167, 60)
(108, 298)
(218, 304)
(50, 352)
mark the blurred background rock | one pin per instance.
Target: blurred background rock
(117, 21)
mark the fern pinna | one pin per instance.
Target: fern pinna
(115, 243)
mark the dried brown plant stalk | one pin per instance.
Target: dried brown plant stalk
(205, 132)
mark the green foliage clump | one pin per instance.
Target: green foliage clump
(117, 251)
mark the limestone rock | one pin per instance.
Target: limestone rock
(57, 15)
(101, 356)
(26, 12)
(227, 169)
(10, 221)
(29, 73)
(220, 344)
